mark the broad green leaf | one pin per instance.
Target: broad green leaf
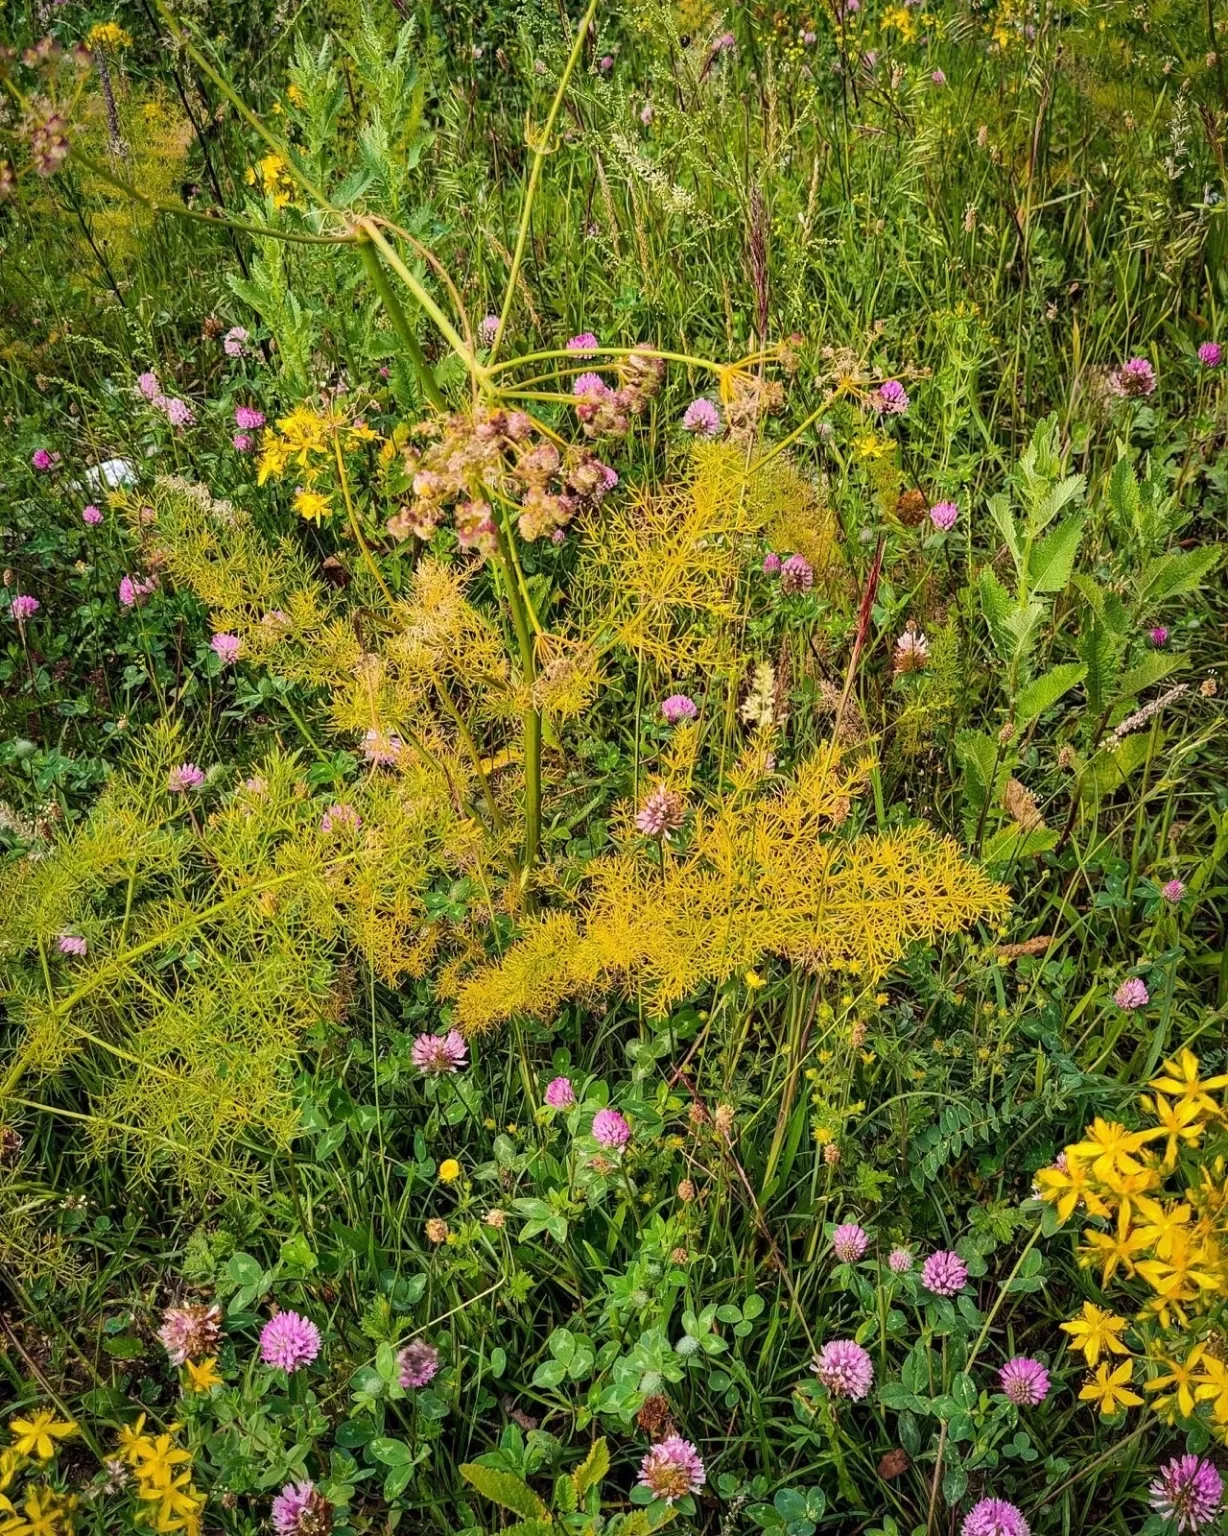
(1101, 653)
(1012, 842)
(978, 752)
(1150, 670)
(997, 604)
(1000, 511)
(1124, 497)
(393, 1453)
(1057, 497)
(530, 1528)
(505, 1488)
(593, 1468)
(1053, 559)
(1047, 689)
(1172, 575)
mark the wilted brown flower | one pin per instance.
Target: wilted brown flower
(655, 1417)
(894, 1464)
(1021, 807)
(436, 1230)
(686, 1191)
(912, 507)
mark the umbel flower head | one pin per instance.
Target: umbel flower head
(995, 1517)
(190, 1333)
(1024, 1381)
(672, 1469)
(299, 1510)
(1188, 1491)
(844, 1368)
(434, 1055)
(944, 1273)
(417, 1364)
(849, 1241)
(289, 1341)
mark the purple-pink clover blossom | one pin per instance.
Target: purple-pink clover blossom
(1189, 1491)
(678, 707)
(943, 515)
(702, 417)
(559, 1093)
(289, 1341)
(438, 1055)
(1025, 1381)
(1132, 994)
(672, 1469)
(844, 1368)
(417, 1364)
(610, 1129)
(849, 1242)
(995, 1517)
(944, 1273)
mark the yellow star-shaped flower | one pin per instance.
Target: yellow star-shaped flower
(1096, 1331)
(37, 1436)
(1109, 1391)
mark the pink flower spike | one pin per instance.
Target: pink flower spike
(1025, 1381)
(944, 1273)
(187, 776)
(849, 1242)
(289, 1341)
(672, 1469)
(24, 607)
(418, 1363)
(1132, 994)
(995, 1517)
(560, 1094)
(91, 515)
(439, 1055)
(845, 1369)
(610, 1129)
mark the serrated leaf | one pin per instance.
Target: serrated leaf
(1053, 559)
(996, 605)
(1012, 842)
(1124, 497)
(1172, 575)
(979, 754)
(507, 1489)
(1101, 653)
(1150, 670)
(1044, 692)
(1000, 510)
(592, 1469)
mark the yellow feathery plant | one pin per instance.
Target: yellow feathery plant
(762, 872)
(210, 948)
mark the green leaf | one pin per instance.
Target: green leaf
(592, 1469)
(505, 1488)
(997, 605)
(1172, 575)
(1101, 653)
(1044, 692)
(393, 1453)
(530, 1528)
(1012, 842)
(1150, 670)
(243, 1269)
(1124, 497)
(1053, 558)
(1000, 511)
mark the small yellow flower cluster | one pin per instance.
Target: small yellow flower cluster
(1162, 1225)
(108, 34)
(43, 1511)
(310, 442)
(274, 179)
(898, 18)
(163, 1474)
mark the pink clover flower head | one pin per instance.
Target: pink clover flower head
(148, 385)
(1134, 378)
(1132, 994)
(661, 814)
(247, 417)
(1210, 354)
(943, 515)
(938, 77)
(190, 1333)
(796, 575)
(900, 1261)
(590, 384)
(585, 344)
(418, 1363)
(771, 564)
(890, 398)
(91, 515)
(672, 1469)
(1025, 1381)
(72, 944)
(844, 1368)
(606, 63)
(1158, 636)
(647, 113)
(178, 412)
(289, 1341)
(849, 1242)
(437, 1055)
(1190, 1491)
(610, 1129)
(995, 1517)
(24, 607)
(724, 42)
(42, 460)
(944, 1273)
(241, 443)
(340, 818)
(702, 417)
(488, 329)
(1172, 891)
(381, 748)
(679, 706)
(298, 1510)
(233, 341)
(227, 648)
(560, 1094)
(134, 589)
(187, 776)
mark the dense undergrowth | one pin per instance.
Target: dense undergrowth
(613, 798)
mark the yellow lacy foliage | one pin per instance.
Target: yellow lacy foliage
(1160, 1221)
(756, 877)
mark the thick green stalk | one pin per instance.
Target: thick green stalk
(400, 321)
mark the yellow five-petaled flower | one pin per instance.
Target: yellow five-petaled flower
(37, 1436)
(1096, 1331)
(1108, 1389)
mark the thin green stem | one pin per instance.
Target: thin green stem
(400, 321)
(450, 334)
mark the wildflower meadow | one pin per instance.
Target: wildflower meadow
(613, 798)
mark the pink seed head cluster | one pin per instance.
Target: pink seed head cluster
(299, 1510)
(185, 777)
(1132, 994)
(1173, 890)
(227, 648)
(1189, 1491)
(1210, 354)
(890, 398)
(340, 818)
(190, 1333)
(944, 1273)
(796, 575)
(91, 515)
(844, 1368)
(702, 417)
(437, 1055)
(678, 707)
(417, 1364)
(672, 1469)
(289, 1341)
(24, 607)
(610, 1129)
(1135, 377)
(849, 1242)
(943, 515)
(248, 419)
(73, 944)
(995, 1517)
(1025, 1381)
(899, 1261)
(560, 1094)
